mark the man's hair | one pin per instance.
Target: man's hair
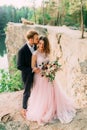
(30, 34)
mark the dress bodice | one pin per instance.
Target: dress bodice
(41, 58)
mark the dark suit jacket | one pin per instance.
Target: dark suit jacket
(24, 62)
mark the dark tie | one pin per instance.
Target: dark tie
(35, 47)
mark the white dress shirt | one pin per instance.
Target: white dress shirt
(31, 48)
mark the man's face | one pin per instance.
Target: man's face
(35, 39)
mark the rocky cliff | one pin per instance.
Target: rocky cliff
(68, 46)
(72, 52)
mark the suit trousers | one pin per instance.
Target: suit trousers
(28, 83)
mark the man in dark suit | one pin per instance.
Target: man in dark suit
(24, 64)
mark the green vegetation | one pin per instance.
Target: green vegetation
(52, 12)
(65, 12)
(10, 81)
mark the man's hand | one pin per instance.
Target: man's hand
(36, 70)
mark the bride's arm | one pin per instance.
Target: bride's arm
(34, 63)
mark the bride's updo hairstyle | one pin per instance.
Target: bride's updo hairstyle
(46, 44)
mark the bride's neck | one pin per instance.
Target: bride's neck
(41, 51)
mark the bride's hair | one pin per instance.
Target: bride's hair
(46, 44)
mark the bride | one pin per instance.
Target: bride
(48, 101)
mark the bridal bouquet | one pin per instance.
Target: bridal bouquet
(49, 69)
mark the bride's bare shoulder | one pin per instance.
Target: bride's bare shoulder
(35, 52)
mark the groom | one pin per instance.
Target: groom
(24, 64)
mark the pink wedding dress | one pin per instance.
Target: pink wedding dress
(48, 101)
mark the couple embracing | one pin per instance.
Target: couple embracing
(47, 101)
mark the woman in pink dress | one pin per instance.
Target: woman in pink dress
(48, 101)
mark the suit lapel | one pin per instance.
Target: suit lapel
(35, 47)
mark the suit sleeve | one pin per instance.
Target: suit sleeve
(21, 62)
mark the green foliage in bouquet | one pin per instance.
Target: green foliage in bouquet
(54, 67)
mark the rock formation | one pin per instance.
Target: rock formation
(65, 44)
(25, 21)
(72, 52)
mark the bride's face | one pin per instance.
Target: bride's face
(41, 45)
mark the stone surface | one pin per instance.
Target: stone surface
(13, 106)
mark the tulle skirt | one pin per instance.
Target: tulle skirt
(48, 101)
